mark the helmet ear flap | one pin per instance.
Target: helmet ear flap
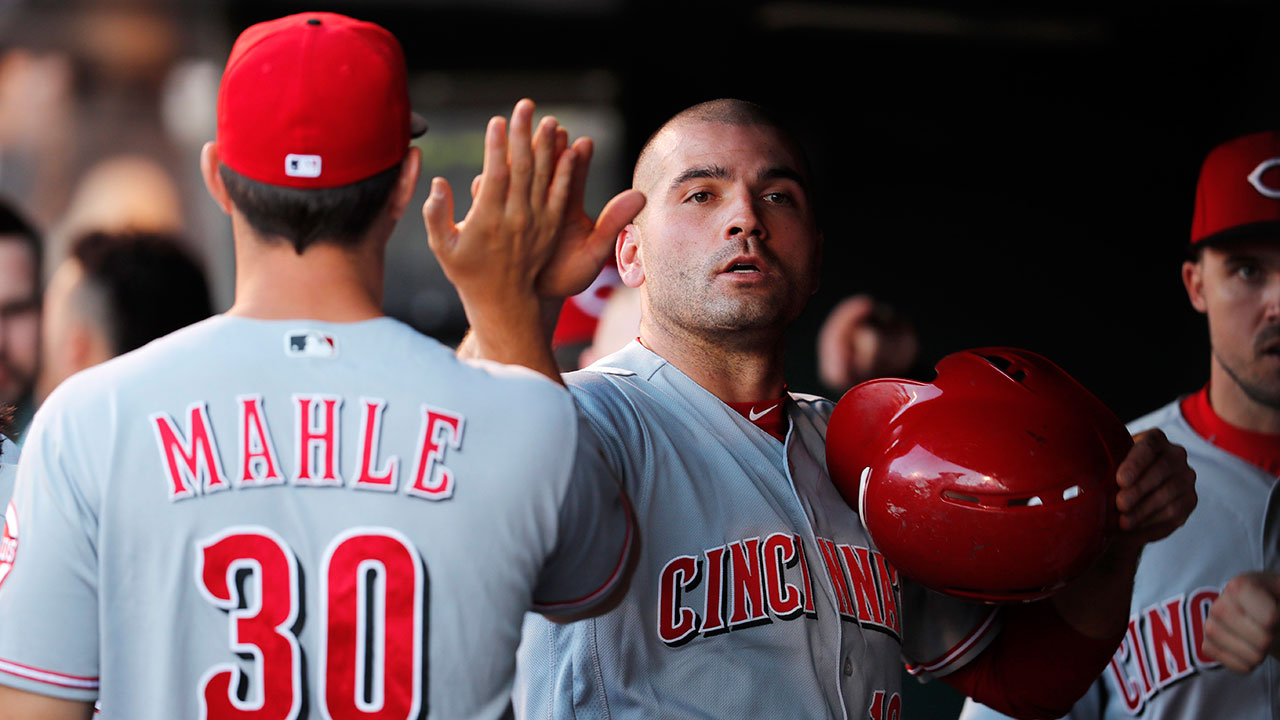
(859, 422)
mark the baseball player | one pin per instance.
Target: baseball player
(1168, 664)
(757, 592)
(303, 508)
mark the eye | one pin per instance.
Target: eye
(1248, 272)
(700, 197)
(778, 198)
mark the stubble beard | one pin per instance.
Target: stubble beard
(689, 304)
(1263, 391)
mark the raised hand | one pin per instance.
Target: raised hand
(585, 244)
(495, 254)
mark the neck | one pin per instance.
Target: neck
(327, 282)
(743, 371)
(1231, 403)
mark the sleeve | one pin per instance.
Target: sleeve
(1039, 667)
(1089, 707)
(596, 536)
(942, 633)
(48, 576)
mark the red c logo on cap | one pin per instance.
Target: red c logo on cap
(1255, 178)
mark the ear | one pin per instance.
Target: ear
(1193, 280)
(407, 183)
(209, 164)
(627, 253)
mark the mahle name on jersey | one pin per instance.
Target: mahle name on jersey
(192, 458)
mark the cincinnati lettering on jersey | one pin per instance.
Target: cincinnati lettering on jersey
(192, 461)
(755, 581)
(1162, 647)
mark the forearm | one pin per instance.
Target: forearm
(1037, 667)
(1096, 604)
(515, 332)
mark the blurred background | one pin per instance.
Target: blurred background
(1000, 173)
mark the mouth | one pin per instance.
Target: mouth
(743, 266)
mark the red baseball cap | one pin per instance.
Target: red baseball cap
(315, 100)
(1239, 190)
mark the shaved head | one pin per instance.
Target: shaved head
(725, 111)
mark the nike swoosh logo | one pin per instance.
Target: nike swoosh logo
(753, 416)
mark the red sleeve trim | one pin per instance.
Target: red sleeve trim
(618, 570)
(49, 677)
(956, 652)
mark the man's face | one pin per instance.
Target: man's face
(727, 241)
(1238, 287)
(19, 319)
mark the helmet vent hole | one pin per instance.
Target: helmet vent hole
(1033, 501)
(1071, 492)
(1003, 364)
(958, 497)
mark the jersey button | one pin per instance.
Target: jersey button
(848, 667)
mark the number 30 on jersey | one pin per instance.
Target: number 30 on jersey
(373, 588)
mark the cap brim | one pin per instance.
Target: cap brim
(417, 125)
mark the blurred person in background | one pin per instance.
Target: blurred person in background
(114, 293)
(20, 258)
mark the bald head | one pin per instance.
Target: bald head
(725, 111)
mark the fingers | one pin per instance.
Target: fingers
(583, 148)
(544, 161)
(1242, 622)
(617, 213)
(520, 155)
(1156, 487)
(437, 214)
(1146, 448)
(558, 197)
(495, 174)
(475, 186)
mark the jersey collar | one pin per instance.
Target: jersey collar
(768, 415)
(1260, 449)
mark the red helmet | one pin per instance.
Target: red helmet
(994, 482)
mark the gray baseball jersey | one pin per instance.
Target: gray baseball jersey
(8, 471)
(284, 519)
(1159, 671)
(757, 591)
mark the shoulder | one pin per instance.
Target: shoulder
(1164, 418)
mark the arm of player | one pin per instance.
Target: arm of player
(1243, 622)
(521, 322)
(20, 705)
(598, 541)
(1156, 496)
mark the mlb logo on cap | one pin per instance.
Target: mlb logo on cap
(315, 100)
(1238, 194)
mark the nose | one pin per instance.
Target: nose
(743, 219)
(1271, 298)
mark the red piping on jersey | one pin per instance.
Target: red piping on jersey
(594, 595)
(1259, 449)
(76, 682)
(955, 652)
